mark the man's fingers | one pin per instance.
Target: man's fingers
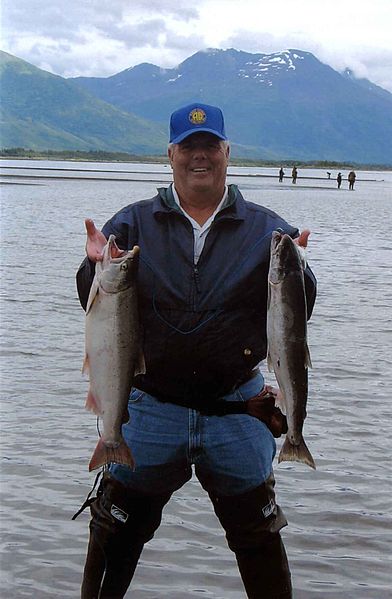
(262, 407)
(90, 227)
(302, 240)
(96, 241)
(278, 395)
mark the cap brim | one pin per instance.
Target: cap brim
(186, 134)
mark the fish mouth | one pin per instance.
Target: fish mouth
(126, 254)
(285, 257)
(276, 239)
(280, 240)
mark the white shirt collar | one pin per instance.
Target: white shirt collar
(208, 222)
(200, 231)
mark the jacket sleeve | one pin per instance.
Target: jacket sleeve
(310, 282)
(310, 290)
(84, 279)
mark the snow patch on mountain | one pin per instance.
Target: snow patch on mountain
(174, 78)
(265, 68)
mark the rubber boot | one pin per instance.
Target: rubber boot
(109, 569)
(252, 522)
(122, 522)
(265, 571)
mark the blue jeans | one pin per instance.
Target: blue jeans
(231, 454)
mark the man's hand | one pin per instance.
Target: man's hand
(262, 407)
(96, 241)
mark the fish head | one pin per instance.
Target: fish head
(285, 257)
(119, 273)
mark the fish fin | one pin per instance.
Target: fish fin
(269, 362)
(140, 366)
(86, 365)
(280, 402)
(308, 361)
(94, 289)
(92, 404)
(296, 453)
(105, 455)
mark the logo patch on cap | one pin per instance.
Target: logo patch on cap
(197, 116)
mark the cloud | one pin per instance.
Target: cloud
(56, 20)
(97, 38)
(103, 37)
(265, 42)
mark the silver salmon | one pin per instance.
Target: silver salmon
(113, 350)
(288, 353)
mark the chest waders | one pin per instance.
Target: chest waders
(123, 521)
(252, 522)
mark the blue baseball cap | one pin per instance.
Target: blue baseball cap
(194, 118)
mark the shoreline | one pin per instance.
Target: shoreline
(118, 175)
(122, 158)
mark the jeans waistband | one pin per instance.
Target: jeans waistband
(215, 405)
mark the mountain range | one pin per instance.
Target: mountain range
(43, 111)
(285, 105)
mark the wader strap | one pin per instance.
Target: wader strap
(89, 500)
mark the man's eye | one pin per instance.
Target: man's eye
(189, 147)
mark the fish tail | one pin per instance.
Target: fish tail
(296, 453)
(104, 454)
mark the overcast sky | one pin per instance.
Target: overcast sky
(103, 37)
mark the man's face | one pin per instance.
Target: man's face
(199, 164)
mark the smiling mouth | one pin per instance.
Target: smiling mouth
(199, 170)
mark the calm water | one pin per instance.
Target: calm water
(339, 538)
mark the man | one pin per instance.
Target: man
(351, 180)
(294, 174)
(203, 302)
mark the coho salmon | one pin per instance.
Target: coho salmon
(113, 350)
(288, 353)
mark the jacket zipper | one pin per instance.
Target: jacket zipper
(196, 279)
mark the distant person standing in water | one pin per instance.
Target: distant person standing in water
(339, 179)
(294, 174)
(281, 174)
(351, 180)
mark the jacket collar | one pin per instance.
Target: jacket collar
(233, 209)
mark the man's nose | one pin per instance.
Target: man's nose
(199, 149)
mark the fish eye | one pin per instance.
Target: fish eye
(124, 266)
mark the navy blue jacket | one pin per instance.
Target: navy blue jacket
(204, 326)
